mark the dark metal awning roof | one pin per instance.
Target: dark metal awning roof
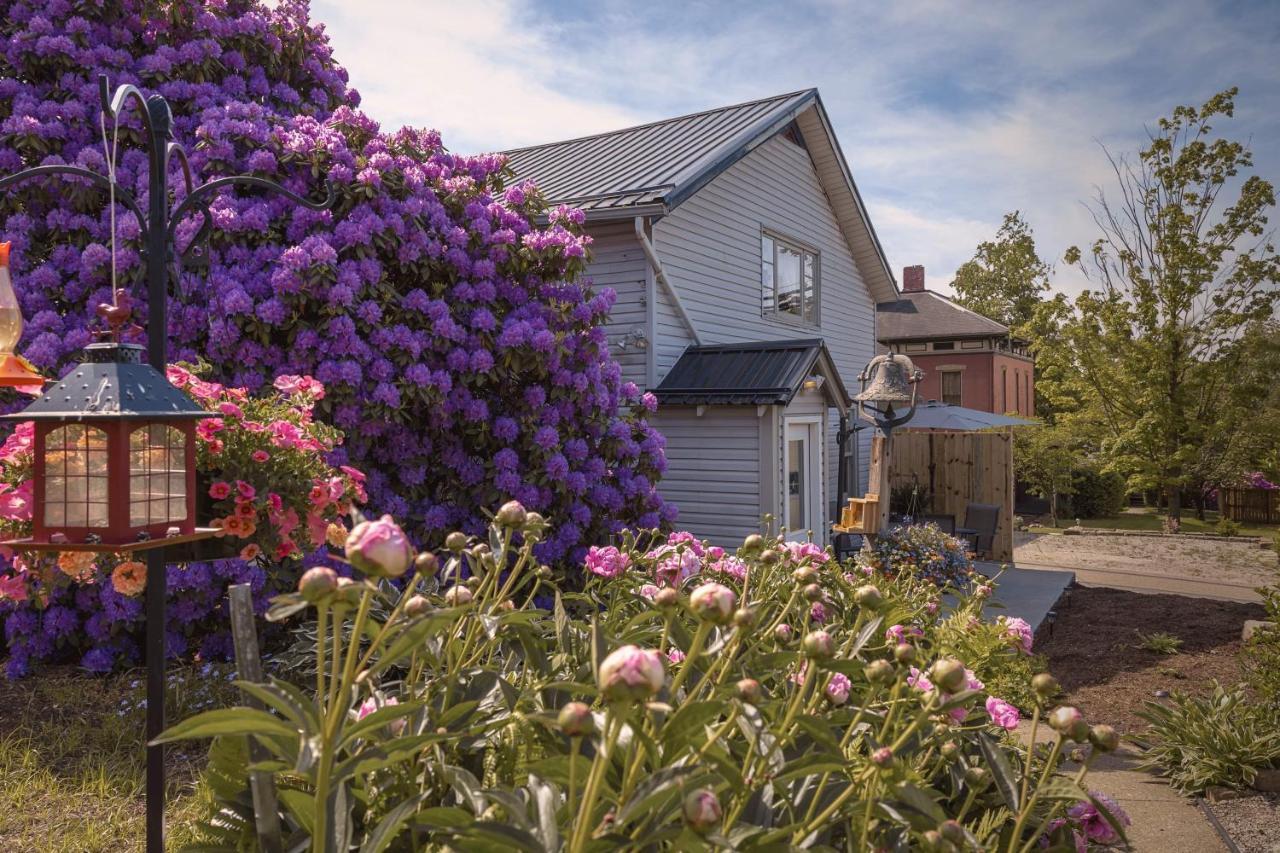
(940, 416)
(757, 373)
(113, 382)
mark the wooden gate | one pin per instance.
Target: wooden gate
(1260, 506)
(957, 469)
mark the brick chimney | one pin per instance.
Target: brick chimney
(913, 279)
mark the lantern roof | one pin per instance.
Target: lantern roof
(112, 382)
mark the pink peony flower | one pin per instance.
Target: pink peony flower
(838, 688)
(370, 705)
(649, 591)
(1002, 713)
(683, 537)
(675, 655)
(1017, 632)
(1096, 827)
(919, 681)
(800, 551)
(631, 673)
(606, 562)
(898, 633)
(379, 548)
(818, 612)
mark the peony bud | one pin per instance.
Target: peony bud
(783, 633)
(744, 617)
(805, 574)
(868, 596)
(472, 583)
(879, 672)
(666, 598)
(770, 556)
(904, 653)
(838, 689)
(819, 645)
(702, 810)
(753, 543)
(456, 541)
(347, 593)
(631, 673)
(575, 719)
(978, 778)
(1066, 721)
(748, 690)
(534, 525)
(983, 591)
(713, 602)
(1105, 738)
(458, 595)
(882, 757)
(949, 749)
(543, 573)
(948, 675)
(316, 584)
(379, 548)
(952, 831)
(426, 564)
(812, 592)
(933, 842)
(511, 514)
(417, 606)
(1045, 685)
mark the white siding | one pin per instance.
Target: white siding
(672, 335)
(710, 249)
(713, 470)
(617, 261)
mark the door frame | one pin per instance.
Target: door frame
(817, 484)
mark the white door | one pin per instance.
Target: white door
(802, 499)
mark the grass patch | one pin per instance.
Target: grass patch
(1151, 520)
(72, 760)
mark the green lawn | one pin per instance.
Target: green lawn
(72, 759)
(1151, 520)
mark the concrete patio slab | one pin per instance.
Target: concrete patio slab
(1029, 595)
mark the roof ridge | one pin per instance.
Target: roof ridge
(781, 97)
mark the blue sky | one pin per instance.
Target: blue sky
(949, 113)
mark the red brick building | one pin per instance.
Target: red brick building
(968, 360)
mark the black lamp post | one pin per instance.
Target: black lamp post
(158, 225)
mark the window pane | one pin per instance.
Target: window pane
(97, 515)
(177, 509)
(137, 513)
(951, 387)
(810, 288)
(77, 515)
(797, 491)
(788, 276)
(766, 274)
(55, 514)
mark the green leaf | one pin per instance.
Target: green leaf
(444, 817)
(301, 805)
(919, 800)
(227, 721)
(273, 697)
(688, 719)
(868, 631)
(379, 718)
(1001, 773)
(668, 779)
(500, 837)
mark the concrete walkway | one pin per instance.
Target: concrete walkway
(1164, 821)
(1029, 595)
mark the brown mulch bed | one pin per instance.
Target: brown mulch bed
(1093, 649)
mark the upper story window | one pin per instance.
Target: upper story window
(939, 346)
(788, 281)
(952, 381)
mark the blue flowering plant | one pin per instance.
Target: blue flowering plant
(922, 550)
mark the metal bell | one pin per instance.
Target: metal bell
(887, 381)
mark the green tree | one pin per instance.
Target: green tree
(1043, 457)
(1181, 271)
(1006, 278)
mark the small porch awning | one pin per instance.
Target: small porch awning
(755, 373)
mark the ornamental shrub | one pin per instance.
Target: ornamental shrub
(269, 488)
(634, 715)
(462, 354)
(1096, 493)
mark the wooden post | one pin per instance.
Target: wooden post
(266, 814)
(878, 480)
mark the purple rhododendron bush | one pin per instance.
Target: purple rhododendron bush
(460, 351)
(269, 490)
(688, 698)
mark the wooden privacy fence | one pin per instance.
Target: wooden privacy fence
(1260, 506)
(957, 469)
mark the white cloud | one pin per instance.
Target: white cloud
(950, 113)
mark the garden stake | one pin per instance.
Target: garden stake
(266, 817)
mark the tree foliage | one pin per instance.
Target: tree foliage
(1005, 279)
(1183, 266)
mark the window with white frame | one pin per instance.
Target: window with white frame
(788, 280)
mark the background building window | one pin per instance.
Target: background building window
(788, 281)
(951, 382)
(944, 345)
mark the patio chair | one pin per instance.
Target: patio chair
(946, 523)
(980, 521)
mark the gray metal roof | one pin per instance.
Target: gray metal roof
(924, 315)
(645, 164)
(758, 373)
(113, 382)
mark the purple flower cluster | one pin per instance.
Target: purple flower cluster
(463, 355)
